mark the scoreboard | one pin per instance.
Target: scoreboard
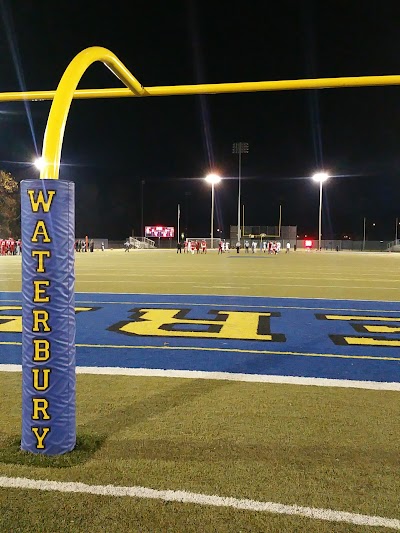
(159, 231)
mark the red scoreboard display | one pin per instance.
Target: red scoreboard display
(159, 231)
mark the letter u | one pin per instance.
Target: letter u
(44, 378)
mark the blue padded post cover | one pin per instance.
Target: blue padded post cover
(48, 316)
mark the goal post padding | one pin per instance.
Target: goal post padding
(48, 316)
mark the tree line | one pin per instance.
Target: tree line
(10, 206)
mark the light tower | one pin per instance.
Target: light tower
(240, 148)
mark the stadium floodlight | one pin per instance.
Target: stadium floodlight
(212, 179)
(320, 177)
(240, 148)
(39, 163)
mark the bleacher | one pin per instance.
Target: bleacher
(141, 242)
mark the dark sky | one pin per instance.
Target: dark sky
(111, 146)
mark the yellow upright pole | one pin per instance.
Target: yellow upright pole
(64, 94)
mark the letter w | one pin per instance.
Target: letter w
(40, 202)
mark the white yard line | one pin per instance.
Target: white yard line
(223, 305)
(221, 295)
(226, 376)
(200, 499)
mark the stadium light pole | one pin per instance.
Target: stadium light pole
(240, 148)
(142, 210)
(187, 197)
(364, 232)
(320, 177)
(212, 179)
(179, 220)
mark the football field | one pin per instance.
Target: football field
(233, 392)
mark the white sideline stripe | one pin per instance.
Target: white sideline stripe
(225, 305)
(221, 295)
(200, 499)
(227, 376)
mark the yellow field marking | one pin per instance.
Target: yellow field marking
(237, 350)
(382, 329)
(367, 341)
(349, 340)
(359, 317)
(229, 350)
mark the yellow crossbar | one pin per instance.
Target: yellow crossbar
(67, 91)
(212, 88)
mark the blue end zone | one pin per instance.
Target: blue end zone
(342, 339)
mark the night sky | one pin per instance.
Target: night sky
(170, 143)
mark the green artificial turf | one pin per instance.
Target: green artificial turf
(312, 446)
(368, 276)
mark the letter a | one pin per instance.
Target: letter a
(40, 229)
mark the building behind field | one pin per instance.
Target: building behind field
(283, 234)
